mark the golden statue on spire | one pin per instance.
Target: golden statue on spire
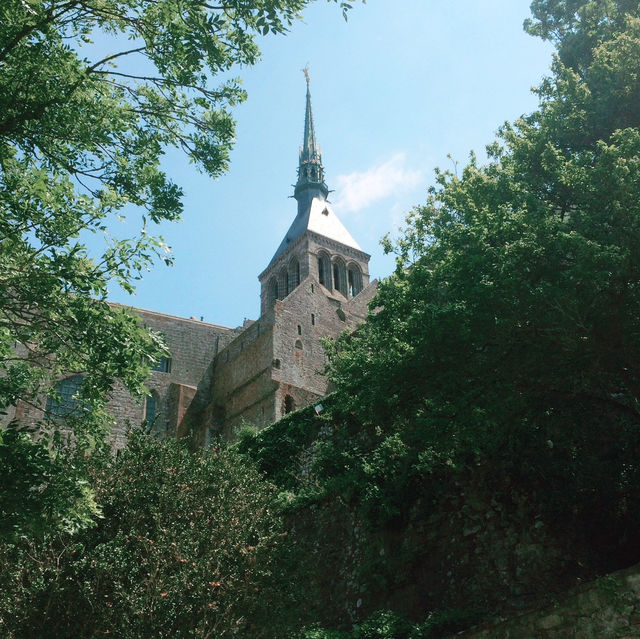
(305, 70)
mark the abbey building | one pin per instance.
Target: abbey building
(316, 285)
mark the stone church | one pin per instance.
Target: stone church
(217, 378)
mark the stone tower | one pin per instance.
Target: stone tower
(316, 285)
(317, 244)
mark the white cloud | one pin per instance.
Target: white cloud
(356, 191)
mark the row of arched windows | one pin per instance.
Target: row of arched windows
(286, 281)
(335, 274)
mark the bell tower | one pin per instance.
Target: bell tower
(317, 244)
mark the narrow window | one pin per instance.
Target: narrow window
(299, 329)
(340, 277)
(321, 268)
(289, 404)
(273, 291)
(313, 319)
(282, 283)
(324, 269)
(150, 408)
(354, 276)
(293, 275)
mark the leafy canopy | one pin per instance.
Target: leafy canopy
(509, 334)
(188, 545)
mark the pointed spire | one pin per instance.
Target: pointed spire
(310, 169)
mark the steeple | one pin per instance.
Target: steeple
(310, 171)
(315, 214)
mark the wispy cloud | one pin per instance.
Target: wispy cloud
(356, 191)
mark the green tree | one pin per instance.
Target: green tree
(508, 334)
(189, 545)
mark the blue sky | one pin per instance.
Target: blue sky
(395, 90)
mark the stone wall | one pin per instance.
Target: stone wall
(607, 607)
(466, 552)
(242, 386)
(193, 345)
(303, 320)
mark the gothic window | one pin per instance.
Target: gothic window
(282, 283)
(66, 401)
(340, 276)
(298, 344)
(324, 269)
(272, 291)
(354, 276)
(293, 275)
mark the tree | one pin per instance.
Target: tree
(188, 545)
(508, 335)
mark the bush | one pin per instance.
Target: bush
(190, 545)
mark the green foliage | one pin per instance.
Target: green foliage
(277, 450)
(386, 624)
(508, 335)
(43, 489)
(190, 545)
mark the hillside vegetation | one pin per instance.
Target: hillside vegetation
(480, 453)
(494, 394)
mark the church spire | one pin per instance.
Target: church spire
(310, 171)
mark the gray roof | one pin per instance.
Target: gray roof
(319, 218)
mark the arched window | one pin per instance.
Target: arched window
(340, 276)
(354, 276)
(298, 344)
(272, 291)
(293, 275)
(324, 270)
(282, 283)
(66, 400)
